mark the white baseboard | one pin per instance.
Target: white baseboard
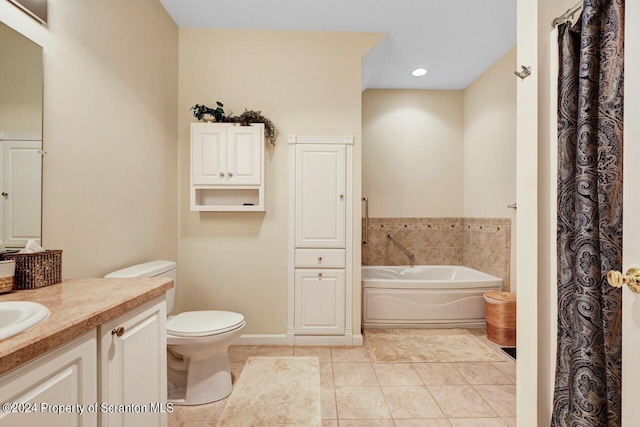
(264, 339)
(261, 339)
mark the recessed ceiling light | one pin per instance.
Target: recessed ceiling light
(419, 72)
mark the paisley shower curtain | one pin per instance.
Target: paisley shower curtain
(590, 91)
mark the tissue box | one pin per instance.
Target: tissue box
(36, 270)
(7, 272)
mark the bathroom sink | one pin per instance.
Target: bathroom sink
(18, 316)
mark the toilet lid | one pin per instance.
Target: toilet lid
(202, 323)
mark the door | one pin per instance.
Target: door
(133, 367)
(319, 302)
(320, 196)
(21, 192)
(244, 159)
(631, 219)
(208, 153)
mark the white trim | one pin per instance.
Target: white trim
(342, 340)
(295, 139)
(292, 245)
(20, 136)
(261, 339)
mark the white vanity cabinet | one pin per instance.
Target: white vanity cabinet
(227, 167)
(320, 235)
(132, 366)
(65, 376)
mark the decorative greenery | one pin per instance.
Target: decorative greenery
(250, 116)
(218, 114)
(245, 119)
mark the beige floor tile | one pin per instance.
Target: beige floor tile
(349, 354)
(477, 422)
(397, 374)
(366, 423)
(326, 374)
(361, 403)
(209, 412)
(198, 424)
(461, 402)
(507, 368)
(330, 423)
(328, 404)
(439, 374)
(511, 421)
(481, 373)
(354, 374)
(502, 398)
(322, 353)
(236, 371)
(275, 350)
(435, 422)
(411, 402)
(240, 353)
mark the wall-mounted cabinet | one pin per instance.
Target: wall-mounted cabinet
(320, 235)
(227, 167)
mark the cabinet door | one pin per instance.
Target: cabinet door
(208, 153)
(133, 366)
(65, 376)
(319, 302)
(22, 182)
(244, 159)
(320, 195)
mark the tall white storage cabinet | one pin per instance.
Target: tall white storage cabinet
(320, 256)
(227, 167)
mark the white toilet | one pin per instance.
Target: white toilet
(197, 341)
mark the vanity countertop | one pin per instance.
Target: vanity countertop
(76, 306)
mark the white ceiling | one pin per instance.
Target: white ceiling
(456, 40)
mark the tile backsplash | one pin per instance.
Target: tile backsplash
(480, 243)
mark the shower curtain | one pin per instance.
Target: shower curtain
(590, 91)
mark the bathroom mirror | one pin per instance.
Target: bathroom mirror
(21, 88)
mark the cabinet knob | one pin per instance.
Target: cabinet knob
(319, 275)
(221, 174)
(5, 194)
(342, 197)
(230, 174)
(319, 259)
(117, 331)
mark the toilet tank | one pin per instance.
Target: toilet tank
(151, 269)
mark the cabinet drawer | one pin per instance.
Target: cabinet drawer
(330, 258)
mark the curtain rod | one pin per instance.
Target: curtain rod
(564, 17)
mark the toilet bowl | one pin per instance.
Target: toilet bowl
(197, 342)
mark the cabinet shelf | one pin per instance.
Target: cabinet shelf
(227, 199)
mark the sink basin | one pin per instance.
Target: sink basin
(18, 316)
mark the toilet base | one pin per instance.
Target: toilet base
(207, 381)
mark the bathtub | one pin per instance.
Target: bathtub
(424, 296)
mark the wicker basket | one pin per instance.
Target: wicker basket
(500, 308)
(36, 270)
(7, 273)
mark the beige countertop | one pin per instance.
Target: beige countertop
(76, 306)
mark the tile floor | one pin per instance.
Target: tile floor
(357, 392)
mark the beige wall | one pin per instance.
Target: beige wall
(412, 156)
(20, 83)
(110, 109)
(489, 154)
(307, 83)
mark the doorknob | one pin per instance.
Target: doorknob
(632, 279)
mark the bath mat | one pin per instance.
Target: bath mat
(275, 391)
(428, 345)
